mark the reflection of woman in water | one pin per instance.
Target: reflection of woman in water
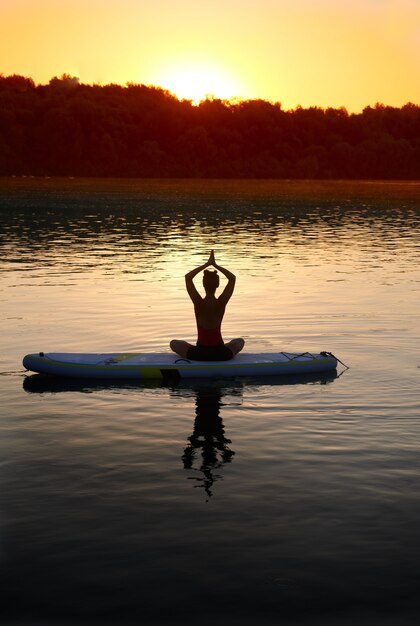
(208, 437)
(209, 313)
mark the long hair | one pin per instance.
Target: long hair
(211, 280)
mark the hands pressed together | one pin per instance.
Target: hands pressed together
(211, 260)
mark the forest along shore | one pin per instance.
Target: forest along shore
(70, 129)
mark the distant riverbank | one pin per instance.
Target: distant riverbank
(71, 129)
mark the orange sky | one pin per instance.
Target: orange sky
(348, 53)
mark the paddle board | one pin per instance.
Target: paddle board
(165, 365)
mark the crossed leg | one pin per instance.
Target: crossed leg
(235, 345)
(181, 347)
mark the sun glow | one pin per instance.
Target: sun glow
(352, 53)
(198, 83)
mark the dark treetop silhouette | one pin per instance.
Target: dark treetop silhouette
(71, 129)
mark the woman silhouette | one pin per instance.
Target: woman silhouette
(209, 313)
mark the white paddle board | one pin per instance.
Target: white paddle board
(154, 365)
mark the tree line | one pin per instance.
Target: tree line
(66, 128)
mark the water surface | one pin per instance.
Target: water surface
(242, 501)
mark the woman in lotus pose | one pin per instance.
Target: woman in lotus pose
(209, 313)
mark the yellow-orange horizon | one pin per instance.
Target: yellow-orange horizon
(351, 55)
(196, 101)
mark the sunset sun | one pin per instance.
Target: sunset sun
(196, 83)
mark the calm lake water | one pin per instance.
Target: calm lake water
(232, 502)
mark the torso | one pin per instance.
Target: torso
(209, 315)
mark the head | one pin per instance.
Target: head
(210, 281)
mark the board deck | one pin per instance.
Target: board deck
(154, 365)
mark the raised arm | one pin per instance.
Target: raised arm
(189, 279)
(226, 294)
